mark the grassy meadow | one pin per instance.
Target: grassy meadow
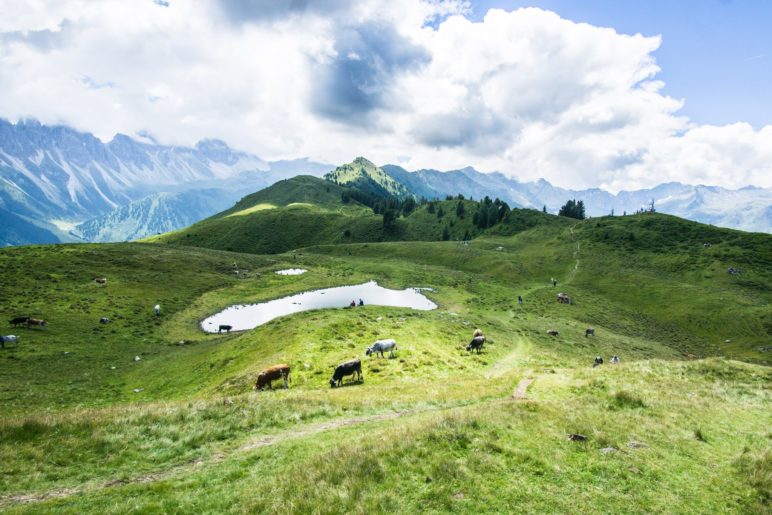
(681, 425)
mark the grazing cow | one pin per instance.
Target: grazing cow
(36, 322)
(226, 328)
(101, 280)
(349, 368)
(563, 298)
(18, 321)
(104, 320)
(552, 332)
(381, 346)
(9, 339)
(476, 344)
(272, 374)
(598, 361)
(615, 360)
(589, 331)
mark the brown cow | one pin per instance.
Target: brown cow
(36, 322)
(272, 374)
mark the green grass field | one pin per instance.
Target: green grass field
(681, 425)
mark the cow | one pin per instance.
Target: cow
(598, 361)
(476, 344)
(477, 332)
(272, 374)
(36, 322)
(381, 346)
(563, 298)
(226, 328)
(552, 332)
(9, 339)
(589, 331)
(349, 368)
(104, 320)
(17, 321)
(101, 280)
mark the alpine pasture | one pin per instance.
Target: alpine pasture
(148, 413)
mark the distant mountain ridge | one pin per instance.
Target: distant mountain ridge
(52, 177)
(59, 184)
(748, 209)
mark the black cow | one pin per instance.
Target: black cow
(226, 328)
(348, 368)
(598, 361)
(18, 321)
(104, 320)
(476, 344)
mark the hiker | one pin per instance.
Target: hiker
(361, 302)
(353, 304)
(157, 309)
(554, 282)
(615, 360)
(520, 300)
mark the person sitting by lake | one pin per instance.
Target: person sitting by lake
(353, 304)
(361, 302)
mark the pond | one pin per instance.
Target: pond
(248, 316)
(292, 271)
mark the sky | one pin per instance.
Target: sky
(597, 93)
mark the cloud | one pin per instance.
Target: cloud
(525, 92)
(357, 78)
(245, 11)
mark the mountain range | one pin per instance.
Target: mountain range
(59, 184)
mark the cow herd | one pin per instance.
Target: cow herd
(350, 368)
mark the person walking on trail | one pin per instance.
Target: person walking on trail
(157, 309)
(520, 300)
(554, 282)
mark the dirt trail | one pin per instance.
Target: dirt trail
(261, 441)
(521, 388)
(575, 254)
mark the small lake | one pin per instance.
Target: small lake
(249, 316)
(291, 271)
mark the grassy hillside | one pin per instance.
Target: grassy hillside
(305, 211)
(181, 429)
(365, 176)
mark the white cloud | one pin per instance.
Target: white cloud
(526, 92)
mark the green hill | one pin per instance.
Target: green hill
(305, 211)
(365, 176)
(681, 425)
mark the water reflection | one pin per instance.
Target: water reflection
(249, 316)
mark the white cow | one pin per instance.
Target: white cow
(9, 339)
(381, 346)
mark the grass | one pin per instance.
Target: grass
(86, 428)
